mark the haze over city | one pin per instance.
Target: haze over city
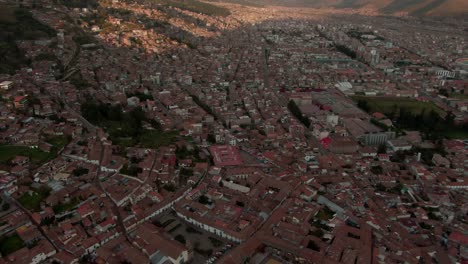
(234, 131)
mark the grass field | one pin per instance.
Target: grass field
(58, 141)
(457, 133)
(37, 156)
(387, 104)
(10, 244)
(32, 201)
(147, 138)
(459, 96)
(430, 124)
(155, 139)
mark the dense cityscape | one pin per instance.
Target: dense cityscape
(231, 132)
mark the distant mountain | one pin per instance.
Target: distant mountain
(411, 7)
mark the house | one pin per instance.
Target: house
(155, 196)
(20, 101)
(19, 170)
(20, 160)
(440, 161)
(106, 225)
(42, 251)
(398, 145)
(6, 85)
(158, 249)
(29, 234)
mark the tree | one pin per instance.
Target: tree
(393, 112)
(449, 118)
(180, 238)
(87, 258)
(382, 149)
(377, 169)
(169, 187)
(211, 138)
(80, 171)
(312, 245)
(363, 104)
(443, 92)
(5, 206)
(204, 200)
(186, 172)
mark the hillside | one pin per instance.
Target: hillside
(17, 24)
(412, 7)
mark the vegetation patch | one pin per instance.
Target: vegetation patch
(64, 207)
(18, 24)
(215, 242)
(325, 214)
(180, 238)
(389, 105)
(8, 152)
(197, 7)
(32, 200)
(240, 2)
(10, 244)
(46, 57)
(131, 170)
(411, 114)
(126, 128)
(80, 171)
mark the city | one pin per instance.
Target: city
(231, 132)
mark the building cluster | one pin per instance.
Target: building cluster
(251, 135)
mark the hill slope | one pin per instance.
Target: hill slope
(412, 7)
